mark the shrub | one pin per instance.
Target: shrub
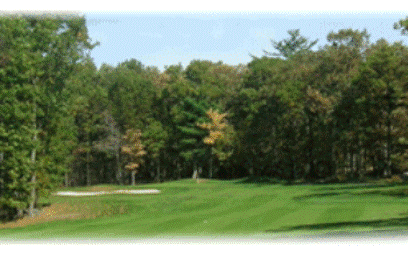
(395, 179)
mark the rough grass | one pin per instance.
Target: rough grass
(217, 208)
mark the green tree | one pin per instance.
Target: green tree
(288, 47)
(349, 38)
(38, 55)
(378, 91)
(88, 101)
(190, 137)
(155, 138)
(402, 25)
(131, 94)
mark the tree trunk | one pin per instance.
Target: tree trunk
(163, 178)
(360, 162)
(101, 175)
(157, 178)
(151, 169)
(364, 160)
(133, 177)
(66, 179)
(312, 169)
(118, 169)
(375, 165)
(211, 167)
(33, 193)
(388, 164)
(333, 163)
(164, 169)
(20, 213)
(351, 163)
(33, 196)
(195, 172)
(178, 171)
(88, 171)
(388, 154)
(294, 172)
(251, 165)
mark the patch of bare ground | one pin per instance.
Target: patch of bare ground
(65, 211)
(53, 212)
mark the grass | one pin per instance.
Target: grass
(218, 208)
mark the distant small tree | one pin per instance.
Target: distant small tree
(220, 136)
(134, 150)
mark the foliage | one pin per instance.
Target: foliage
(221, 135)
(402, 25)
(37, 55)
(134, 150)
(289, 47)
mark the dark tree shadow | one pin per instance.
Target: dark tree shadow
(261, 180)
(304, 197)
(338, 225)
(359, 186)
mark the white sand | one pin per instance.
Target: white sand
(147, 191)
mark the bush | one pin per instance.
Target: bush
(395, 179)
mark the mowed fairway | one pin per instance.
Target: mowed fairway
(218, 208)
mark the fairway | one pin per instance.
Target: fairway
(218, 208)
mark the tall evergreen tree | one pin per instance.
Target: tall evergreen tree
(291, 46)
(190, 136)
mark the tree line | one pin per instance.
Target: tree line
(334, 114)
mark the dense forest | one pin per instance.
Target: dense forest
(336, 114)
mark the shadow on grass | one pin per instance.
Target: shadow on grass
(398, 193)
(264, 180)
(304, 197)
(358, 186)
(43, 205)
(261, 180)
(338, 225)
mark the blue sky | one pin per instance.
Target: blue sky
(159, 39)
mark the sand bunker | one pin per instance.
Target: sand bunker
(147, 191)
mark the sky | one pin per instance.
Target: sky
(166, 38)
(161, 32)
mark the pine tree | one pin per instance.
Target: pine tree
(289, 47)
(189, 135)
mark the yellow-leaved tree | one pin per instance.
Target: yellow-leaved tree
(134, 150)
(220, 138)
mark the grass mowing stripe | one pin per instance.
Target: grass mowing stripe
(259, 222)
(344, 213)
(193, 221)
(222, 207)
(307, 214)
